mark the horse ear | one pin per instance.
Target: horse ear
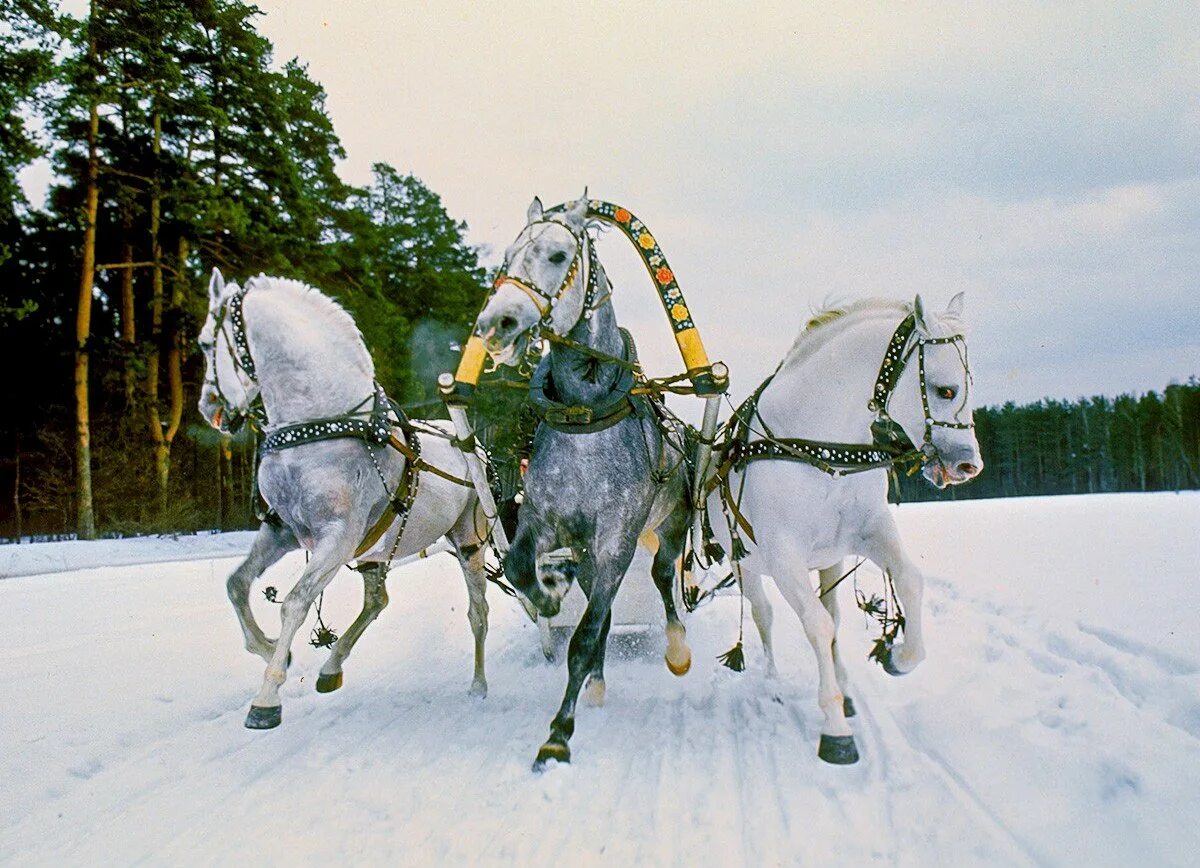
(955, 308)
(919, 313)
(535, 210)
(577, 214)
(216, 286)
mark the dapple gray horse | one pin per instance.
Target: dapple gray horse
(302, 353)
(592, 488)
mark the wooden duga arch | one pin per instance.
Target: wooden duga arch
(709, 381)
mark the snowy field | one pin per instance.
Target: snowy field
(1056, 720)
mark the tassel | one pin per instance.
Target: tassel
(739, 548)
(322, 637)
(881, 650)
(714, 551)
(734, 658)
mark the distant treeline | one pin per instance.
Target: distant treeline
(1131, 443)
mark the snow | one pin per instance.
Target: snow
(31, 559)
(1056, 720)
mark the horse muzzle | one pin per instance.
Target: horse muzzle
(945, 473)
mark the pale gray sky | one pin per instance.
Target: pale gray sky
(1043, 157)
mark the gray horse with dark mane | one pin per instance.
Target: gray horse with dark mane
(602, 472)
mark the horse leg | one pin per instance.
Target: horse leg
(375, 599)
(787, 566)
(470, 547)
(883, 546)
(270, 544)
(830, 577)
(521, 572)
(330, 553)
(760, 610)
(671, 537)
(587, 645)
(593, 691)
(474, 572)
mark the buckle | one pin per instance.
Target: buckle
(569, 415)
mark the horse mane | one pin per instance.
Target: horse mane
(816, 331)
(323, 311)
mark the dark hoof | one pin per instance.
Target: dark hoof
(838, 749)
(551, 750)
(847, 706)
(328, 683)
(264, 718)
(889, 666)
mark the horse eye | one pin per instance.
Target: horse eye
(558, 258)
(947, 393)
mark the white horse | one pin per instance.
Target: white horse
(302, 354)
(806, 503)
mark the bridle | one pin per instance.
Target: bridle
(749, 438)
(239, 354)
(900, 350)
(546, 301)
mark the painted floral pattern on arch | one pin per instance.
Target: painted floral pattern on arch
(652, 257)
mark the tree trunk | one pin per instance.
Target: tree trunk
(225, 472)
(128, 326)
(86, 513)
(162, 449)
(17, 489)
(175, 339)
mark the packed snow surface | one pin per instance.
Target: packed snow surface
(1055, 721)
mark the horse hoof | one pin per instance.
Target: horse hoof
(264, 718)
(889, 665)
(329, 682)
(848, 706)
(680, 668)
(551, 750)
(838, 749)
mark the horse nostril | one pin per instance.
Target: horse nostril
(966, 468)
(507, 323)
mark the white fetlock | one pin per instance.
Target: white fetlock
(593, 694)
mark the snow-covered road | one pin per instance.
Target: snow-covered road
(1056, 720)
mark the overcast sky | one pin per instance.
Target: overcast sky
(1043, 157)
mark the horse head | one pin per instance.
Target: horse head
(229, 389)
(543, 281)
(932, 399)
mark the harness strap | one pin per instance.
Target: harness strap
(414, 464)
(892, 366)
(424, 466)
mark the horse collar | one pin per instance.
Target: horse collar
(580, 418)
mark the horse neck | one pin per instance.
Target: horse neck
(823, 394)
(306, 369)
(580, 378)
